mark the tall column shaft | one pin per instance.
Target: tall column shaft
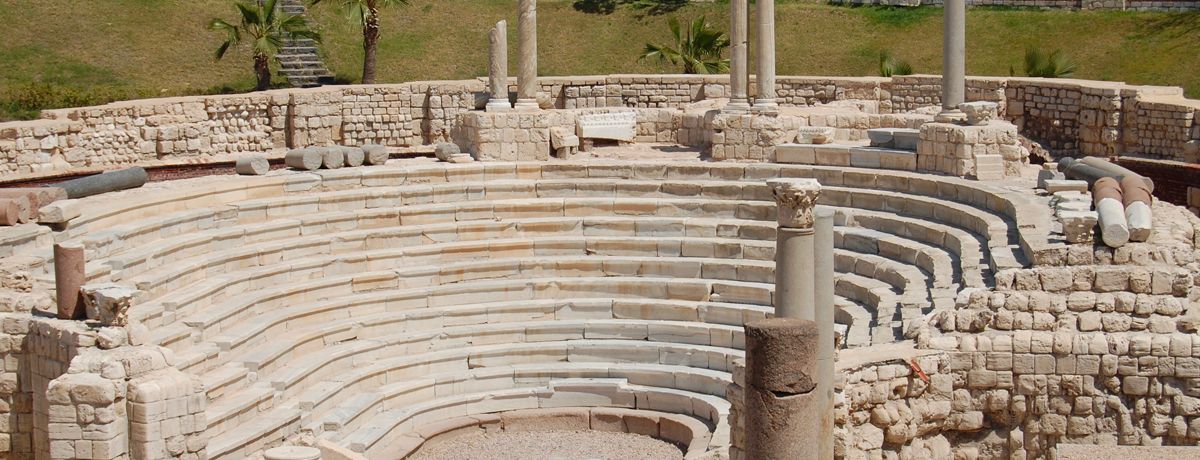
(954, 54)
(498, 68)
(527, 86)
(795, 295)
(766, 55)
(794, 282)
(824, 292)
(739, 59)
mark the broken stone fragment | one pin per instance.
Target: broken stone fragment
(979, 113)
(445, 151)
(1079, 227)
(60, 212)
(109, 303)
(111, 337)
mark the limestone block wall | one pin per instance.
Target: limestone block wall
(1069, 116)
(525, 136)
(50, 346)
(955, 149)
(751, 137)
(1164, 128)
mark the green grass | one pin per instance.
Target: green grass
(144, 48)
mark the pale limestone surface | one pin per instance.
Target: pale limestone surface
(366, 304)
(1070, 117)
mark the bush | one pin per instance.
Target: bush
(889, 66)
(1055, 64)
(26, 102)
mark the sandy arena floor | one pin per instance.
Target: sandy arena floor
(550, 445)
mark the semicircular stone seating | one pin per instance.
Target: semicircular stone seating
(364, 304)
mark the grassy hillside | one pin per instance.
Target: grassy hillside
(73, 52)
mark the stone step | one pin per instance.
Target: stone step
(846, 155)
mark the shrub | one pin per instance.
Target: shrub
(1055, 64)
(26, 102)
(890, 66)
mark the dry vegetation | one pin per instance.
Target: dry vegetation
(98, 50)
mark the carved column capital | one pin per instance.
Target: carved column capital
(796, 199)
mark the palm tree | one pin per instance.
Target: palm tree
(889, 66)
(266, 29)
(367, 13)
(1055, 64)
(699, 50)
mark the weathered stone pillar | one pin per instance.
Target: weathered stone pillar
(783, 417)
(794, 280)
(823, 271)
(739, 59)
(954, 59)
(527, 85)
(766, 56)
(69, 276)
(498, 68)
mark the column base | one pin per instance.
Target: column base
(737, 105)
(527, 105)
(498, 105)
(951, 116)
(766, 106)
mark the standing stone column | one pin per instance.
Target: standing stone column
(766, 56)
(954, 59)
(795, 295)
(69, 276)
(498, 68)
(823, 271)
(782, 418)
(527, 85)
(739, 59)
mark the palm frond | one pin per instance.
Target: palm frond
(698, 47)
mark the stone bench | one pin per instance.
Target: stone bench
(453, 356)
(709, 408)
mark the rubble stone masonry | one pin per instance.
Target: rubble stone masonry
(1069, 117)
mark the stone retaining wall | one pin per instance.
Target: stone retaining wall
(1069, 117)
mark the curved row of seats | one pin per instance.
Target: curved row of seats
(363, 304)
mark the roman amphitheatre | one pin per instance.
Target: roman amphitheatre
(739, 265)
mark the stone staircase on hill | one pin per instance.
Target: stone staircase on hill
(299, 59)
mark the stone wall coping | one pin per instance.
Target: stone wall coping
(478, 85)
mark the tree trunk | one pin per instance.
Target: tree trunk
(262, 69)
(370, 43)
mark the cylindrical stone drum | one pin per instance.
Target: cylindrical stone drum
(354, 156)
(10, 212)
(1114, 229)
(308, 159)
(69, 276)
(1135, 194)
(253, 165)
(332, 158)
(375, 154)
(24, 211)
(783, 407)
